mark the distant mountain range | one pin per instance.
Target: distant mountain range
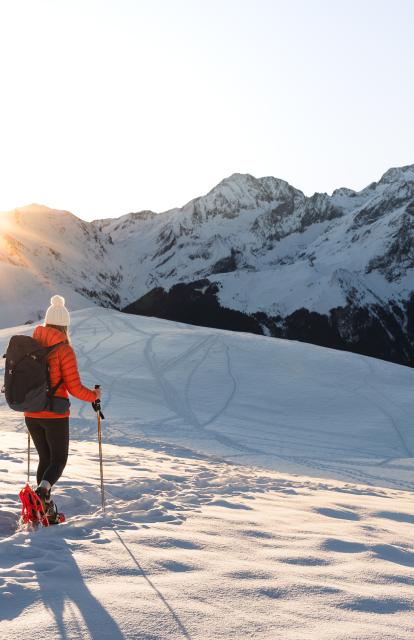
(253, 254)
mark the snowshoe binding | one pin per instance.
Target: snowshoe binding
(52, 513)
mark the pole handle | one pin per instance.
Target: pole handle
(97, 404)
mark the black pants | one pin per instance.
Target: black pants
(51, 439)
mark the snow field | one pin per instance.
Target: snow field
(202, 549)
(255, 488)
(274, 403)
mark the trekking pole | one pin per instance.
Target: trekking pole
(97, 406)
(28, 458)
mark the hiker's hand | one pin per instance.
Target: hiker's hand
(98, 394)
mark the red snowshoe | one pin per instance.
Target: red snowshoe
(35, 511)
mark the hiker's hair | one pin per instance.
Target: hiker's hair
(61, 328)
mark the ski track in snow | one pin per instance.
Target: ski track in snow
(182, 408)
(207, 532)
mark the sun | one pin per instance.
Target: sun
(4, 223)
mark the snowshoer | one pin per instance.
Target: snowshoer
(50, 429)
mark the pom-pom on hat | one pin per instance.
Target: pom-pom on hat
(57, 312)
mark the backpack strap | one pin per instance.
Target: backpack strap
(53, 390)
(54, 346)
(44, 351)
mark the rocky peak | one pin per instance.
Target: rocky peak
(344, 192)
(398, 174)
(241, 192)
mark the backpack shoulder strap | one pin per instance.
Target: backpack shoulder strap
(54, 346)
(56, 387)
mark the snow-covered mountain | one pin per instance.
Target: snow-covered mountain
(253, 254)
(336, 270)
(43, 250)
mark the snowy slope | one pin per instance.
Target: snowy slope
(207, 533)
(43, 250)
(237, 396)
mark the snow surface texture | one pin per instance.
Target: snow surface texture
(269, 247)
(256, 488)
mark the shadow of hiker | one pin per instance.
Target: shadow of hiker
(165, 602)
(66, 594)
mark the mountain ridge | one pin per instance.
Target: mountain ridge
(389, 175)
(271, 252)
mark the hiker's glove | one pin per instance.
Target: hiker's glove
(97, 407)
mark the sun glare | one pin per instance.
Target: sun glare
(4, 223)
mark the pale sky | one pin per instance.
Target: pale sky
(111, 106)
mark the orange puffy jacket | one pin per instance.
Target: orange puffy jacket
(62, 365)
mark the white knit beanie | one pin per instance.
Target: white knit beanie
(57, 312)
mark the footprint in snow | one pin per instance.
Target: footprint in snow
(377, 605)
(342, 514)
(306, 561)
(343, 546)
(249, 575)
(271, 592)
(9, 458)
(8, 523)
(388, 552)
(252, 533)
(394, 554)
(398, 516)
(171, 565)
(44, 567)
(170, 543)
(230, 505)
